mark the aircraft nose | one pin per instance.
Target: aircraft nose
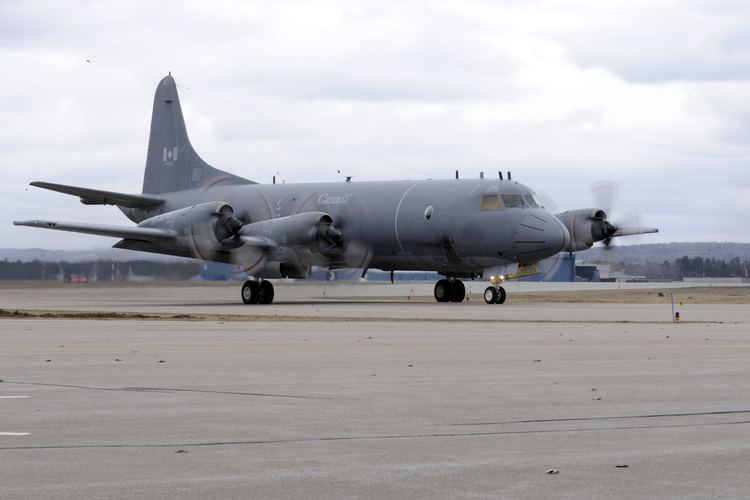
(538, 236)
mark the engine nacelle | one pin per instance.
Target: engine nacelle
(586, 226)
(206, 226)
(309, 229)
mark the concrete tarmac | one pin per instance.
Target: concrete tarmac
(428, 401)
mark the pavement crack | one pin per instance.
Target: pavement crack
(609, 417)
(166, 390)
(201, 444)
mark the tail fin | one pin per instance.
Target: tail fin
(171, 162)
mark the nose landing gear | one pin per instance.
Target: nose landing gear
(450, 290)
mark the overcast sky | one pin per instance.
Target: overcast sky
(651, 95)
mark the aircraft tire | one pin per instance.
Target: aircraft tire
(442, 290)
(501, 295)
(266, 292)
(490, 295)
(250, 292)
(457, 291)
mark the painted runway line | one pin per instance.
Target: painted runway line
(14, 397)
(14, 433)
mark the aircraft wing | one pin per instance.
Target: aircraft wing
(97, 197)
(128, 232)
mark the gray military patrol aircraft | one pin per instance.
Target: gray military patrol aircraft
(494, 229)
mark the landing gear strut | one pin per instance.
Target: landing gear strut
(254, 292)
(494, 295)
(450, 290)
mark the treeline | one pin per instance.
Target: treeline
(113, 270)
(99, 270)
(689, 267)
(660, 252)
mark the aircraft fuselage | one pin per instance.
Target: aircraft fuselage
(448, 226)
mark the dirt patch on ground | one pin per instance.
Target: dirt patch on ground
(112, 315)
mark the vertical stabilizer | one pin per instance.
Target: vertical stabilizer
(171, 162)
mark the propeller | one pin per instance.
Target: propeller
(628, 224)
(346, 252)
(224, 228)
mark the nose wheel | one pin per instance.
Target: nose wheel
(450, 290)
(494, 295)
(257, 293)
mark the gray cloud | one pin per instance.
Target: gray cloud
(662, 41)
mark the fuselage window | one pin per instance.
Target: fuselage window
(490, 202)
(512, 200)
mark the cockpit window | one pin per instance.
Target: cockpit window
(490, 202)
(531, 201)
(512, 200)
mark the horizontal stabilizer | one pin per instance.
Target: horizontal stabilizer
(97, 197)
(131, 232)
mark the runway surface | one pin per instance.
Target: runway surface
(392, 398)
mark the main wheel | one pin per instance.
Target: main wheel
(500, 295)
(266, 292)
(442, 290)
(458, 291)
(250, 292)
(490, 295)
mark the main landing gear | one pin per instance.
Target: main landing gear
(453, 290)
(254, 292)
(450, 290)
(494, 294)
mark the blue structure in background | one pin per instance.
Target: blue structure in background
(219, 271)
(561, 267)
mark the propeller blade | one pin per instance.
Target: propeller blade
(358, 256)
(604, 193)
(631, 231)
(259, 241)
(249, 257)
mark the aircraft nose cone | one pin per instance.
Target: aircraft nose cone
(538, 236)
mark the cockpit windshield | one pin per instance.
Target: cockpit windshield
(512, 200)
(490, 202)
(498, 201)
(532, 201)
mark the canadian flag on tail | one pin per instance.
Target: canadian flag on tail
(169, 155)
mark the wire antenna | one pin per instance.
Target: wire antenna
(306, 131)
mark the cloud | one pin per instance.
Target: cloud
(650, 95)
(644, 41)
